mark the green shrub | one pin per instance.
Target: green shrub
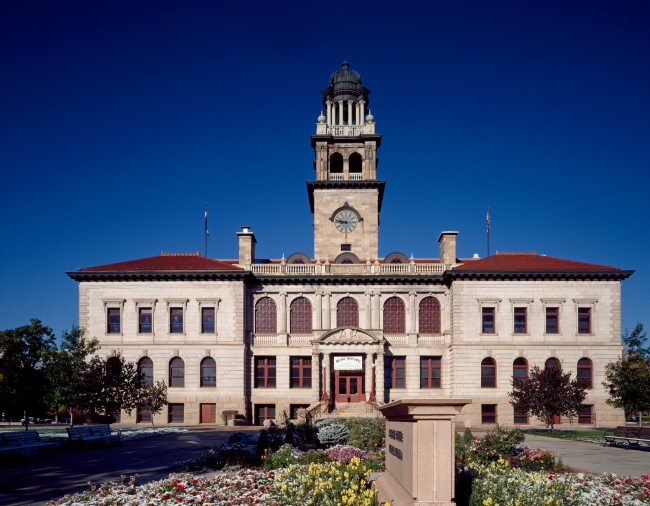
(497, 444)
(288, 455)
(467, 435)
(365, 433)
(333, 434)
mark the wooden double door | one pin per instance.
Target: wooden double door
(349, 386)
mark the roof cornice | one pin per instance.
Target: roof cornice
(155, 275)
(540, 274)
(379, 184)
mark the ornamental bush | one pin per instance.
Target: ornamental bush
(333, 434)
(498, 443)
(368, 433)
(344, 453)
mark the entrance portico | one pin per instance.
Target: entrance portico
(348, 357)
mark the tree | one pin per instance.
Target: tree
(154, 398)
(63, 366)
(22, 375)
(106, 385)
(548, 393)
(628, 379)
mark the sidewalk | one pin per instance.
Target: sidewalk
(594, 458)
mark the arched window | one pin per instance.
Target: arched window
(347, 261)
(145, 366)
(301, 316)
(336, 163)
(298, 261)
(585, 372)
(519, 371)
(113, 368)
(394, 316)
(266, 316)
(355, 163)
(176, 372)
(347, 313)
(552, 362)
(429, 316)
(396, 260)
(488, 373)
(208, 372)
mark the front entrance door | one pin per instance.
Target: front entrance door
(349, 386)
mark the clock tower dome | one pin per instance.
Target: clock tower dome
(346, 195)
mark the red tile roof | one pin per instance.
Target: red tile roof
(529, 262)
(167, 262)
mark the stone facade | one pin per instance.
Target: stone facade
(400, 319)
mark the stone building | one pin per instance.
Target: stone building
(344, 330)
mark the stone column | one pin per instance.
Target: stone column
(420, 452)
(376, 310)
(282, 319)
(329, 112)
(412, 335)
(315, 377)
(328, 374)
(350, 102)
(340, 112)
(361, 116)
(326, 310)
(368, 375)
(379, 376)
(319, 311)
(356, 112)
(368, 310)
(333, 114)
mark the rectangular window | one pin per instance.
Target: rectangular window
(176, 320)
(521, 326)
(176, 413)
(585, 415)
(295, 408)
(521, 417)
(300, 372)
(487, 324)
(264, 412)
(552, 320)
(143, 415)
(146, 320)
(584, 320)
(346, 247)
(488, 413)
(430, 372)
(113, 320)
(207, 320)
(395, 372)
(265, 372)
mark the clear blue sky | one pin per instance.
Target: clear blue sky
(119, 120)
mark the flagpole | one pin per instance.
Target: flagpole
(205, 232)
(487, 219)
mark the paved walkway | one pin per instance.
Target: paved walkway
(35, 480)
(594, 458)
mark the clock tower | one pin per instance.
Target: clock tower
(346, 195)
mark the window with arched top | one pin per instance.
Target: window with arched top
(208, 372)
(488, 373)
(585, 373)
(347, 261)
(176, 372)
(145, 366)
(266, 316)
(298, 261)
(396, 261)
(347, 313)
(355, 163)
(519, 371)
(336, 163)
(113, 368)
(394, 316)
(552, 362)
(301, 316)
(429, 316)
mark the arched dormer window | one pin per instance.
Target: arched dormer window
(394, 316)
(347, 258)
(176, 372)
(488, 373)
(301, 316)
(208, 372)
(145, 366)
(266, 316)
(347, 313)
(429, 317)
(585, 373)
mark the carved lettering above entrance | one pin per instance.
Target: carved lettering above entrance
(348, 335)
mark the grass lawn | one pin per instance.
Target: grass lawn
(590, 436)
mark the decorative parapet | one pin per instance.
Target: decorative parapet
(343, 269)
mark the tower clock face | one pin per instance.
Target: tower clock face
(345, 221)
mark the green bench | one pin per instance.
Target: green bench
(629, 436)
(24, 442)
(94, 434)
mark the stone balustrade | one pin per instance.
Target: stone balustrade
(369, 268)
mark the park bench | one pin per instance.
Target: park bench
(641, 438)
(93, 434)
(24, 442)
(627, 435)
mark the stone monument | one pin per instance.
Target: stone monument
(419, 452)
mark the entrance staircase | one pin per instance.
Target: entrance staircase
(351, 409)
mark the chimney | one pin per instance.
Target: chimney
(447, 242)
(246, 246)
